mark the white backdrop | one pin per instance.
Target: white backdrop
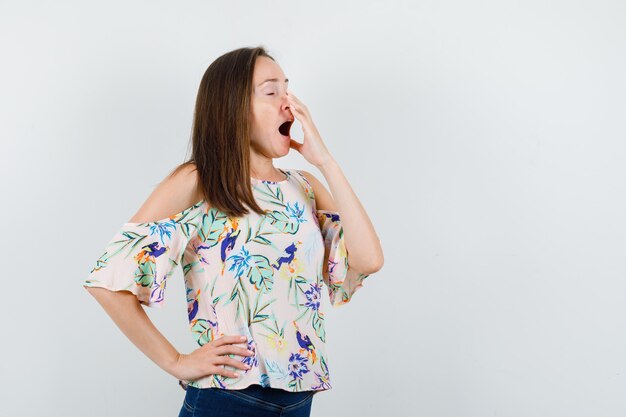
(486, 140)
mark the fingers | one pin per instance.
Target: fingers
(228, 339)
(220, 349)
(221, 357)
(236, 350)
(225, 360)
(224, 372)
(291, 95)
(295, 102)
(295, 107)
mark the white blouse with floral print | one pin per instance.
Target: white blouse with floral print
(257, 276)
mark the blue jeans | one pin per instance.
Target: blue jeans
(252, 401)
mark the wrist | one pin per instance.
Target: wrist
(328, 163)
(171, 367)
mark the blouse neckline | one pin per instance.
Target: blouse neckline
(273, 182)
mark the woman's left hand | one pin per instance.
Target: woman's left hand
(312, 147)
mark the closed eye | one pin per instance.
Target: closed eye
(270, 94)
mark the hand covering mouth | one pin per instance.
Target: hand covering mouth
(285, 127)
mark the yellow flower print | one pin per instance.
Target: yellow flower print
(290, 270)
(277, 342)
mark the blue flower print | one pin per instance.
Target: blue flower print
(297, 365)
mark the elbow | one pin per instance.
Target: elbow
(375, 262)
(380, 264)
(375, 266)
(369, 262)
(372, 266)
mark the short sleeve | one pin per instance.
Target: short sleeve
(342, 280)
(140, 257)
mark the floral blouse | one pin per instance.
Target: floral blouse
(257, 276)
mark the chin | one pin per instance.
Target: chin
(281, 152)
(283, 144)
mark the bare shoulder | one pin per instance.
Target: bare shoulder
(323, 197)
(176, 192)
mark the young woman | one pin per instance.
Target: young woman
(255, 243)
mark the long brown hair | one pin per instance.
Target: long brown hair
(221, 132)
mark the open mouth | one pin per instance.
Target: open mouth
(285, 127)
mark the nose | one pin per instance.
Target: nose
(285, 102)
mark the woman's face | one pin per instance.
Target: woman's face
(269, 110)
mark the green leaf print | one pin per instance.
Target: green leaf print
(187, 266)
(296, 283)
(102, 261)
(257, 317)
(265, 227)
(131, 241)
(283, 222)
(261, 274)
(324, 365)
(258, 235)
(144, 275)
(203, 331)
(211, 227)
(275, 330)
(295, 385)
(272, 193)
(240, 294)
(318, 325)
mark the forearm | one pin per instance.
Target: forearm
(362, 242)
(128, 314)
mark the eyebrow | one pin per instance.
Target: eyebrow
(272, 80)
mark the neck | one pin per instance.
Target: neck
(263, 168)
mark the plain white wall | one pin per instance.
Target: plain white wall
(486, 140)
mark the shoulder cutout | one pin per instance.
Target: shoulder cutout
(174, 194)
(323, 197)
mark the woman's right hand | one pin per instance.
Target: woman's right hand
(209, 358)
